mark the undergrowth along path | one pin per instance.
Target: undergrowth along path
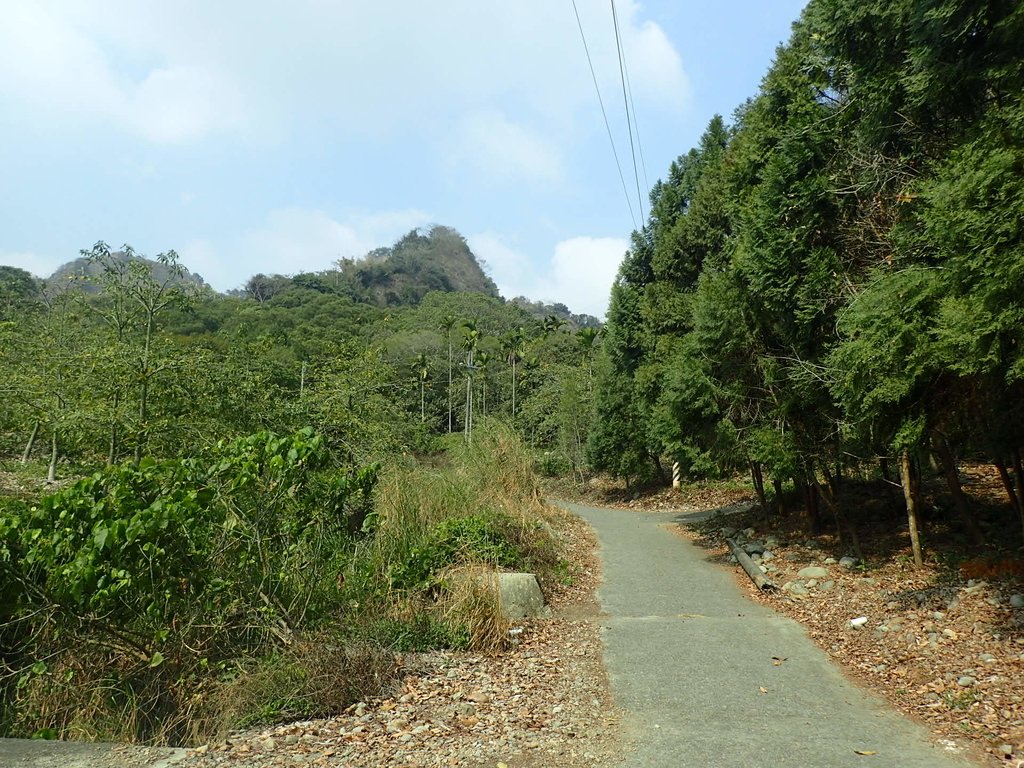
(703, 676)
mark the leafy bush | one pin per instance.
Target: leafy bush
(456, 541)
(166, 570)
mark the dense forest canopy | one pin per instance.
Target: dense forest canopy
(835, 276)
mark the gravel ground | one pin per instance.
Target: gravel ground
(544, 702)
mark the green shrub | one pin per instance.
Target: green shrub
(456, 541)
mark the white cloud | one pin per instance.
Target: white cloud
(174, 72)
(294, 240)
(494, 148)
(579, 273)
(53, 62)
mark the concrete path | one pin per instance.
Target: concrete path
(23, 753)
(688, 654)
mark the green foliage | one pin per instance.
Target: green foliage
(456, 541)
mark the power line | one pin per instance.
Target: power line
(625, 101)
(604, 114)
(636, 123)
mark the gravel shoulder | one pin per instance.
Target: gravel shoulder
(544, 702)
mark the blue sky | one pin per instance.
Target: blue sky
(280, 136)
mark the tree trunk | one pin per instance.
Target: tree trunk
(890, 483)
(113, 444)
(1011, 492)
(811, 510)
(758, 478)
(828, 494)
(423, 412)
(30, 444)
(449, 381)
(144, 393)
(949, 469)
(779, 500)
(1018, 476)
(910, 483)
(51, 472)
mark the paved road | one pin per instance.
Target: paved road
(22, 753)
(687, 655)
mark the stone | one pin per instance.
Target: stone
(987, 658)
(795, 589)
(268, 744)
(966, 681)
(727, 533)
(938, 615)
(771, 542)
(519, 595)
(859, 622)
(825, 586)
(767, 554)
(1006, 749)
(812, 572)
(848, 562)
(1017, 601)
(749, 533)
(753, 548)
(830, 561)
(811, 583)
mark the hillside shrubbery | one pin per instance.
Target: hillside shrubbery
(169, 601)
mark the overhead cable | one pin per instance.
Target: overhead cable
(625, 101)
(604, 114)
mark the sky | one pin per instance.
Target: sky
(278, 137)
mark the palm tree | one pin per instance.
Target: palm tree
(422, 374)
(513, 347)
(482, 361)
(552, 324)
(470, 339)
(448, 322)
(587, 340)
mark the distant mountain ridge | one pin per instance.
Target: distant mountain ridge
(82, 268)
(419, 263)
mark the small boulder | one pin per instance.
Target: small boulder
(1017, 601)
(795, 589)
(753, 548)
(858, 622)
(520, 597)
(848, 562)
(727, 532)
(812, 572)
(966, 681)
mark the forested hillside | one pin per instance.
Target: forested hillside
(835, 278)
